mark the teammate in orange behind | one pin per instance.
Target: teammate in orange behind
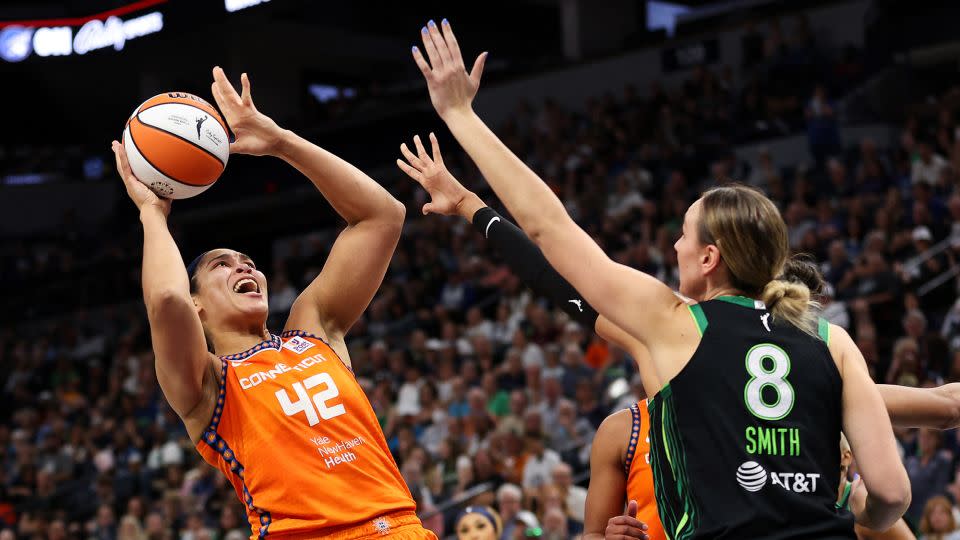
(853, 493)
(281, 416)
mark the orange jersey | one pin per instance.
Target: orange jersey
(299, 441)
(639, 474)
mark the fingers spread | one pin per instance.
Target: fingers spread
(245, 95)
(410, 171)
(437, 156)
(227, 92)
(421, 61)
(439, 43)
(421, 151)
(413, 159)
(477, 70)
(452, 45)
(435, 60)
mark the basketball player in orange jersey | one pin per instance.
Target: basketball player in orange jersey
(619, 468)
(281, 416)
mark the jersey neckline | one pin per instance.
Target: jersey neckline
(273, 343)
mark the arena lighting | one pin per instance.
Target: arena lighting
(55, 37)
(237, 5)
(16, 41)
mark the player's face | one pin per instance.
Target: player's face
(475, 527)
(689, 253)
(230, 287)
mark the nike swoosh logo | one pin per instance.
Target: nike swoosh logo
(486, 233)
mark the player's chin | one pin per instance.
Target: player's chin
(253, 303)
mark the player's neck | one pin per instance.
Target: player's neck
(718, 291)
(227, 342)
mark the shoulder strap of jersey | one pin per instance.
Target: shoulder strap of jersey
(844, 502)
(699, 317)
(634, 437)
(823, 330)
(287, 334)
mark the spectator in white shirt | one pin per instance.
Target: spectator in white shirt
(540, 462)
(574, 496)
(928, 166)
(477, 325)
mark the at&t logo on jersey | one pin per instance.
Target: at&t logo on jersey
(753, 477)
(297, 344)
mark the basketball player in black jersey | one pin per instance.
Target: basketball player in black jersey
(748, 399)
(937, 408)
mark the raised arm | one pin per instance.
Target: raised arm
(178, 342)
(868, 428)
(634, 301)
(359, 258)
(449, 197)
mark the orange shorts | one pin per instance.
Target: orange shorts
(399, 525)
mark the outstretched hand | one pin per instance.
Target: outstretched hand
(448, 196)
(451, 88)
(139, 193)
(257, 134)
(626, 526)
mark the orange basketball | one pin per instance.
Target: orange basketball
(177, 144)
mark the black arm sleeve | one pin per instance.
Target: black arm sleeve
(527, 261)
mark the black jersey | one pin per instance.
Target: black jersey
(745, 440)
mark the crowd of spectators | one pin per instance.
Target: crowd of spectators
(485, 393)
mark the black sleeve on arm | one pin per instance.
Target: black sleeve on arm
(527, 261)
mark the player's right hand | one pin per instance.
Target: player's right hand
(447, 194)
(257, 134)
(451, 87)
(139, 193)
(626, 526)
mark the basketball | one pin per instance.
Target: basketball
(177, 144)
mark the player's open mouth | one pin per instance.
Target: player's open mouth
(246, 286)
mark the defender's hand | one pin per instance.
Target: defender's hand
(448, 197)
(451, 88)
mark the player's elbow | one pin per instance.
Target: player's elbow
(397, 212)
(166, 300)
(894, 498)
(389, 216)
(391, 221)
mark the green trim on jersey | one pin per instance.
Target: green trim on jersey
(665, 432)
(823, 330)
(699, 318)
(844, 502)
(742, 301)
